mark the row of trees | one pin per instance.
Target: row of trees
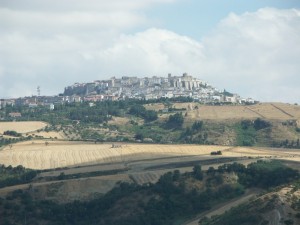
(262, 174)
(12, 133)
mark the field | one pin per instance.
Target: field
(94, 169)
(21, 127)
(53, 154)
(39, 155)
(100, 166)
(271, 111)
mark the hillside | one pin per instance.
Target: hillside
(264, 124)
(274, 208)
(175, 198)
(82, 152)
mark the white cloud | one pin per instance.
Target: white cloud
(46, 23)
(152, 52)
(254, 54)
(80, 5)
(257, 53)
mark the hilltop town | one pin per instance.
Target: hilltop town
(133, 88)
(152, 88)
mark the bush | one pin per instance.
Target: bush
(175, 121)
(261, 124)
(12, 133)
(197, 172)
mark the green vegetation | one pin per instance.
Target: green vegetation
(12, 133)
(10, 176)
(175, 121)
(9, 141)
(163, 203)
(174, 198)
(140, 111)
(82, 121)
(244, 214)
(264, 174)
(216, 153)
(247, 131)
(287, 144)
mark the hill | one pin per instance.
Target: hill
(264, 124)
(175, 198)
(277, 207)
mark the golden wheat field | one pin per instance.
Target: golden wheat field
(42, 155)
(22, 127)
(272, 111)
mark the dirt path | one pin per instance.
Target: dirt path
(220, 209)
(281, 110)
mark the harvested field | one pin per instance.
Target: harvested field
(118, 121)
(155, 106)
(271, 111)
(21, 127)
(38, 155)
(56, 154)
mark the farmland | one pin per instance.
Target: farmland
(270, 111)
(53, 154)
(41, 154)
(143, 163)
(99, 159)
(21, 126)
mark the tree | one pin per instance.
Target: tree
(175, 121)
(211, 171)
(139, 136)
(197, 172)
(150, 115)
(261, 124)
(197, 126)
(137, 110)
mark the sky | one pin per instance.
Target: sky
(246, 47)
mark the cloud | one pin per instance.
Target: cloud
(254, 54)
(79, 5)
(43, 43)
(152, 52)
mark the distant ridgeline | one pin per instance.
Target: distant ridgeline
(151, 88)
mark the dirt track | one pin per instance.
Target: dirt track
(218, 210)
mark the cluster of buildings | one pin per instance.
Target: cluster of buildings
(151, 88)
(134, 88)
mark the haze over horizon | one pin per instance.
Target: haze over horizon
(249, 48)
